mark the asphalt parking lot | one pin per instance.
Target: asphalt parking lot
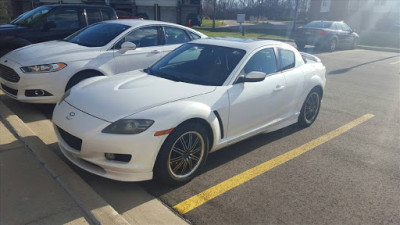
(344, 169)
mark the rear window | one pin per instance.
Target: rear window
(318, 24)
(97, 35)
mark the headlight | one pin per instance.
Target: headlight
(45, 68)
(128, 126)
(67, 93)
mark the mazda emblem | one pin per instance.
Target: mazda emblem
(70, 115)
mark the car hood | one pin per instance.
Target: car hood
(7, 27)
(50, 52)
(116, 97)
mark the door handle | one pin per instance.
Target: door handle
(156, 51)
(279, 88)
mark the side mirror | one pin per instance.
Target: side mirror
(254, 76)
(49, 25)
(126, 46)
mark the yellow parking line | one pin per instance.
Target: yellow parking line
(201, 198)
(395, 62)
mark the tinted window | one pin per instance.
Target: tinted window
(175, 36)
(143, 37)
(198, 64)
(318, 24)
(263, 61)
(93, 16)
(194, 36)
(97, 35)
(65, 19)
(287, 59)
(345, 27)
(105, 14)
(32, 16)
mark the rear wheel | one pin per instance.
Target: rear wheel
(310, 109)
(300, 45)
(182, 155)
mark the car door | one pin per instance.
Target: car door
(290, 68)
(173, 38)
(148, 49)
(255, 104)
(60, 23)
(346, 37)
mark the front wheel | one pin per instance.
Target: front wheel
(182, 155)
(310, 109)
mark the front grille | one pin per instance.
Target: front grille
(9, 90)
(71, 140)
(8, 74)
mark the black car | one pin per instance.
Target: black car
(326, 34)
(195, 19)
(50, 22)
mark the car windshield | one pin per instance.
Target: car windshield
(198, 64)
(31, 17)
(318, 24)
(97, 35)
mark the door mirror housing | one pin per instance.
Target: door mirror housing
(127, 46)
(254, 76)
(49, 25)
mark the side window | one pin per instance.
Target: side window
(142, 37)
(93, 16)
(345, 27)
(66, 19)
(263, 61)
(105, 14)
(194, 36)
(335, 27)
(175, 36)
(287, 59)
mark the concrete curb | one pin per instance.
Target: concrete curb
(97, 210)
(383, 49)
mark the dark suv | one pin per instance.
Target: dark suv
(50, 22)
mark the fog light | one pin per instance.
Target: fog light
(37, 93)
(110, 156)
(118, 157)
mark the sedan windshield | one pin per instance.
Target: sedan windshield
(97, 35)
(31, 17)
(198, 64)
(318, 24)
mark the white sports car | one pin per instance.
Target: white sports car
(41, 73)
(163, 121)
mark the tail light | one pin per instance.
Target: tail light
(321, 32)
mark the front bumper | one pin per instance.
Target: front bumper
(53, 83)
(142, 147)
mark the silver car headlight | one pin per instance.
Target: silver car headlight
(45, 68)
(128, 126)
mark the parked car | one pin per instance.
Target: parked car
(126, 15)
(326, 34)
(41, 73)
(142, 15)
(195, 19)
(163, 121)
(50, 22)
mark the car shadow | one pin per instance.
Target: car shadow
(345, 70)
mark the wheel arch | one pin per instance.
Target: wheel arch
(93, 73)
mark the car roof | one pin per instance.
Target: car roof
(78, 5)
(134, 23)
(239, 43)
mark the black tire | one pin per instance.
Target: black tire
(354, 44)
(332, 45)
(300, 45)
(173, 158)
(310, 109)
(80, 77)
